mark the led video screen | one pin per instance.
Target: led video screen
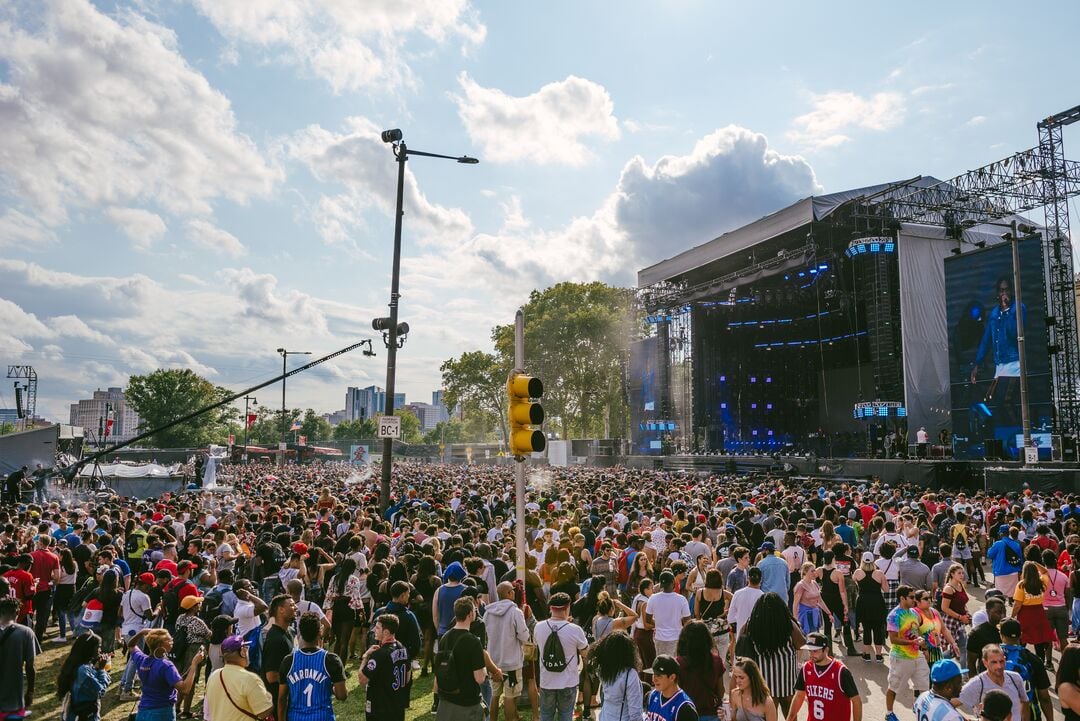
(984, 360)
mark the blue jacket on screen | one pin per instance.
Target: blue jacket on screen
(1001, 334)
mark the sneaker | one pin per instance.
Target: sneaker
(60, 639)
(891, 717)
(128, 696)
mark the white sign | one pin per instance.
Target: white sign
(1031, 455)
(389, 427)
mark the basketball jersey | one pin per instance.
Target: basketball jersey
(310, 687)
(825, 698)
(661, 710)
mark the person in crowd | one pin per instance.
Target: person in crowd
(463, 702)
(770, 637)
(615, 659)
(559, 673)
(507, 633)
(1006, 558)
(193, 637)
(751, 699)
(311, 677)
(84, 676)
(932, 626)
(938, 704)
(913, 572)
(138, 614)
(996, 676)
(809, 605)
(161, 683)
(834, 594)
(1030, 667)
(277, 642)
(46, 571)
(827, 683)
(667, 701)
(233, 692)
(1068, 682)
(954, 601)
(744, 600)
(701, 669)
(996, 706)
(643, 629)
(985, 633)
(1057, 600)
(711, 604)
(1028, 609)
(667, 612)
(775, 576)
(63, 593)
(870, 608)
(908, 654)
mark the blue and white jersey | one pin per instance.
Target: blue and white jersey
(931, 707)
(666, 710)
(310, 687)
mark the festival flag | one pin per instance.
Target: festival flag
(251, 420)
(295, 425)
(108, 427)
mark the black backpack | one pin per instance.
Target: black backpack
(1011, 556)
(171, 600)
(553, 656)
(447, 674)
(211, 606)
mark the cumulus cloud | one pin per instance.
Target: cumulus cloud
(141, 226)
(730, 177)
(261, 302)
(545, 127)
(358, 161)
(351, 44)
(837, 113)
(18, 228)
(99, 110)
(209, 236)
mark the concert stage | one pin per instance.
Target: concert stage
(972, 475)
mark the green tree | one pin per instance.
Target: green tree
(170, 393)
(451, 431)
(267, 428)
(476, 383)
(315, 427)
(6, 427)
(355, 430)
(576, 340)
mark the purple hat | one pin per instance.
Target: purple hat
(233, 644)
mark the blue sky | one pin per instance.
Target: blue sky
(196, 183)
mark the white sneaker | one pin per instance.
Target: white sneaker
(60, 639)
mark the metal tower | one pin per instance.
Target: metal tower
(30, 375)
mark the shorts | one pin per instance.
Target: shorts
(908, 670)
(504, 688)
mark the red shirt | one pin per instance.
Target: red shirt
(823, 692)
(22, 587)
(45, 562)
(1045, 542)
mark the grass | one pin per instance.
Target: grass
(47, 705)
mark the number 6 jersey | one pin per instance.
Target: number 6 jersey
(828, 690)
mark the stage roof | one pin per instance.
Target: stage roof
(790, 218)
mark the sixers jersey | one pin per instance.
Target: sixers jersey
(823, 693)
(310, 687)
(661, 710)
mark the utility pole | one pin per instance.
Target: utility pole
(247, 425)
(519, 470)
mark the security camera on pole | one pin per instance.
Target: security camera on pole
(525, 417)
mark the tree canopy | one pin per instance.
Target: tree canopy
(170, 393)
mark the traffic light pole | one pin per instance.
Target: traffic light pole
(519, 470)
(391, 333)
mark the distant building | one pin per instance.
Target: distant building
(336, 417)
(89, 414)
(429, 415)
(437, 399)
(363, 403)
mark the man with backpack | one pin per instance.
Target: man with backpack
(178, 589)
(996, 676)
(1030, 667)
(135, 546)
(560, 642)
(459, 668)
(1006, 559)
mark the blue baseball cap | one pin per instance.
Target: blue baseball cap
(1003, 529)
(945, 670)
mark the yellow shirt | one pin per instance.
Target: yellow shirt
(246, 689)
(1021, 596)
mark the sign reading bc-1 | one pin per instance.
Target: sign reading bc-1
(389, 427)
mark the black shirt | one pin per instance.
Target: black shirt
(981, 636)
(387, 670)
(278, 645)
(468, 657)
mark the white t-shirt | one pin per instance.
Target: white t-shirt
(742, 604)
(668, 611)
(573, 642)
(971, 695)
(135, 605)
(245, 617)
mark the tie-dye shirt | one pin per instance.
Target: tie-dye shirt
(907, 623)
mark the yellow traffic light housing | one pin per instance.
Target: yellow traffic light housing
(525, 415)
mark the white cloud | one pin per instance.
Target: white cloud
(546, 127)
(351, 44)
(17, 327)
(211, 237)
(729, 178)
(193, 279)
(141, 226)
(260, 301)
(362, 164)
(976, 120)
(836, 113)
(17, 228)
(99, 110)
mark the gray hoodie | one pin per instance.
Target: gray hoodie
(506, 631)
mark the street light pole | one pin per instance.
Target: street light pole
(284, 357)
(1025, 413)
(390, 328)
(247, 424)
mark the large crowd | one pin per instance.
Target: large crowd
(668, 597)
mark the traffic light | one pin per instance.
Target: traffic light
(524, 415)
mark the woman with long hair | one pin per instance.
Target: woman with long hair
(1068, 682)
(751, 699)
(1029, 611)
(615, 660)
(643, 630)
(65, 591)
(108, 595)
(701, 669)
(425, 581)
(606, 621)
(870, 608)
(711, 606)
(339, 599)
(808, 603)
(83, 675)
(770, 637)
(954, 600)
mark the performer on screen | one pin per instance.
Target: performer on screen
(1000, 336)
